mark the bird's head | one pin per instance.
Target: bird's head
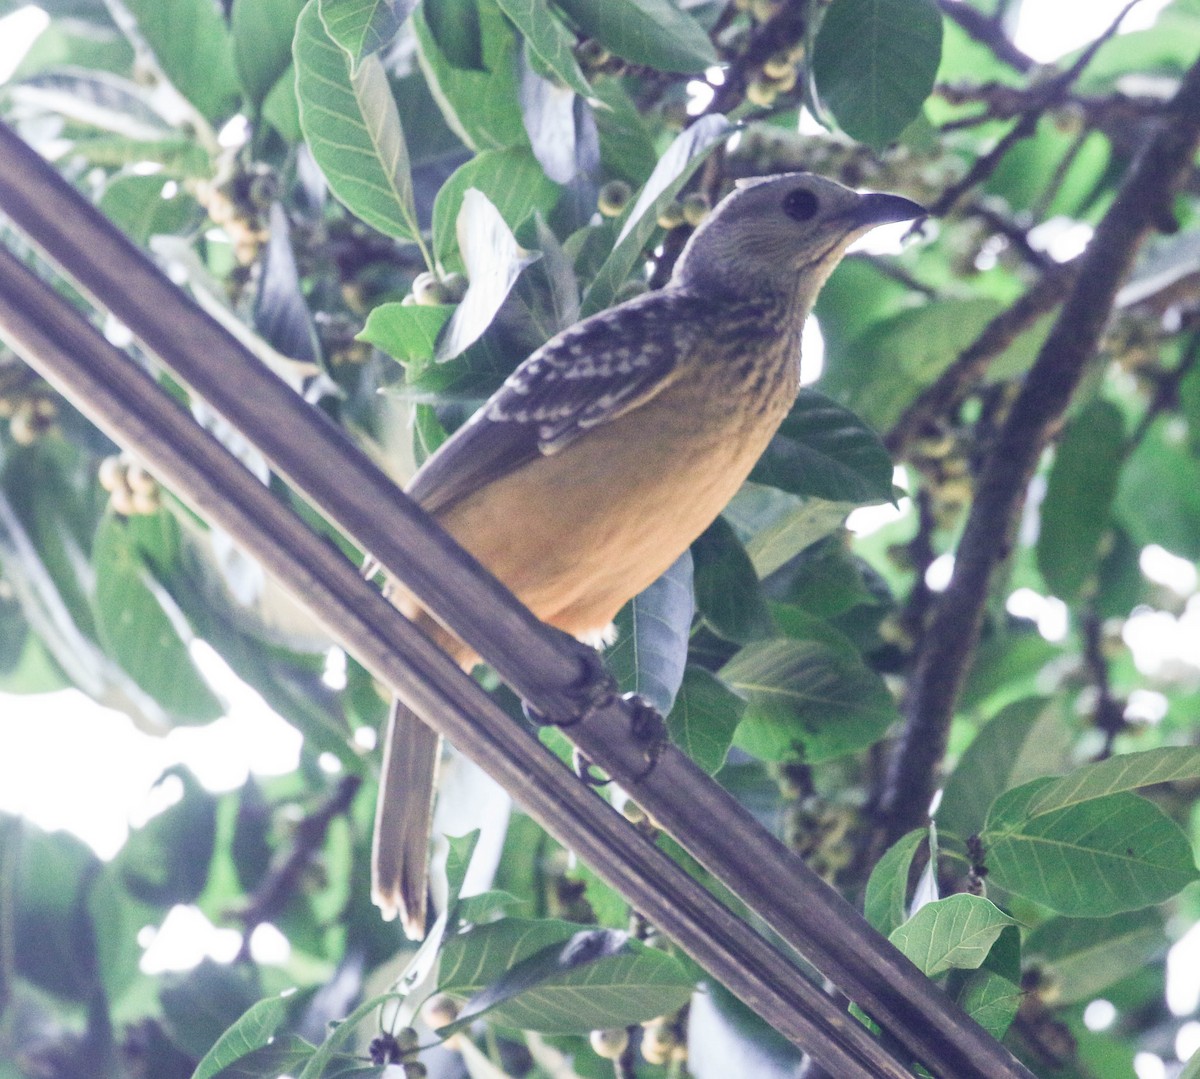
(782, 234)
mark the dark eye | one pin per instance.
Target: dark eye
(800, 204)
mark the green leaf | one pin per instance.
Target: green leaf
(179, 155)
(1125, 772)
(135, 204)
(191, 42)
(651, 32)
(1007, 667)
(826, 451)
(493, 261)
(513, 182)
(650, 652)
(626, 140)
(166, 861)
(874, 64)
(352, 126)
(481, 107)
(587, 980)
(285, 1055)
(458, 861)
(1189, 403)
(1087, 859)
(254, 1029)
(704, 718)
(991, 1000)
(686, 154)
(1025, 740)
(807, 700)
(408, 332)
(728, 593)
(46, 908)
(1085, 956)
(1158, 496)
(74, 43)
(199, 1005)
(550, 41)
(363, 27)
(794, 524)
(885, 904)
(143, 629)
(262, 44)
(1052, 161)
(38, 482)
(115, 922)
(799, 625)
(455, 27)
(878, 371)
(957, 932)
(1079, 495)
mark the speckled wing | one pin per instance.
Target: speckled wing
(586, 376)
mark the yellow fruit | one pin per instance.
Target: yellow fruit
(609, 1044)
(613, 198)
(671, 216)
(695, 208)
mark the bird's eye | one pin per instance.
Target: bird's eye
(800, 204)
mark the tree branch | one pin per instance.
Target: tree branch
(956, 382)
(283, 878)
(949, 646)
(987, 31)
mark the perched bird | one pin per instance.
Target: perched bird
(614, 445)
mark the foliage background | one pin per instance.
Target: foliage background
(301, 168)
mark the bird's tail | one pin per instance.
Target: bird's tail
(403, 819)
(404, 810)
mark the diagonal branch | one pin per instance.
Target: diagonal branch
(956, 381)
(1045, 96)
(544, 665)
(949, 645)
(284, 877)
(987, 31)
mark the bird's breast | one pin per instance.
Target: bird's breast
(578, 533)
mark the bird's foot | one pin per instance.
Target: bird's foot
(595, 689)
(648, 728)
(587, 771)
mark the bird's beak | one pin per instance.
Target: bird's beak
(877, 209)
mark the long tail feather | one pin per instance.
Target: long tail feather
(403, 820)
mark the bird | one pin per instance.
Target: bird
(611, 448)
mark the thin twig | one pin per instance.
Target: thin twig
(987, 164)
(956, 382)
(1017, 236)
(283, 879)
(1109, 713)
(1166, 391)
(1062, 361)
(988, 31)
(1042, 97)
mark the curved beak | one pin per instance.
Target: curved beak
(879, 209)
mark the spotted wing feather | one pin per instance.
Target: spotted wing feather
(586, 376)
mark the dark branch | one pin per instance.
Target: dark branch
(988, 31)
(1109, 713)
(283, 879)
(956, 382)
(1042, 96)
(1061, 363)
(1166, 390)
